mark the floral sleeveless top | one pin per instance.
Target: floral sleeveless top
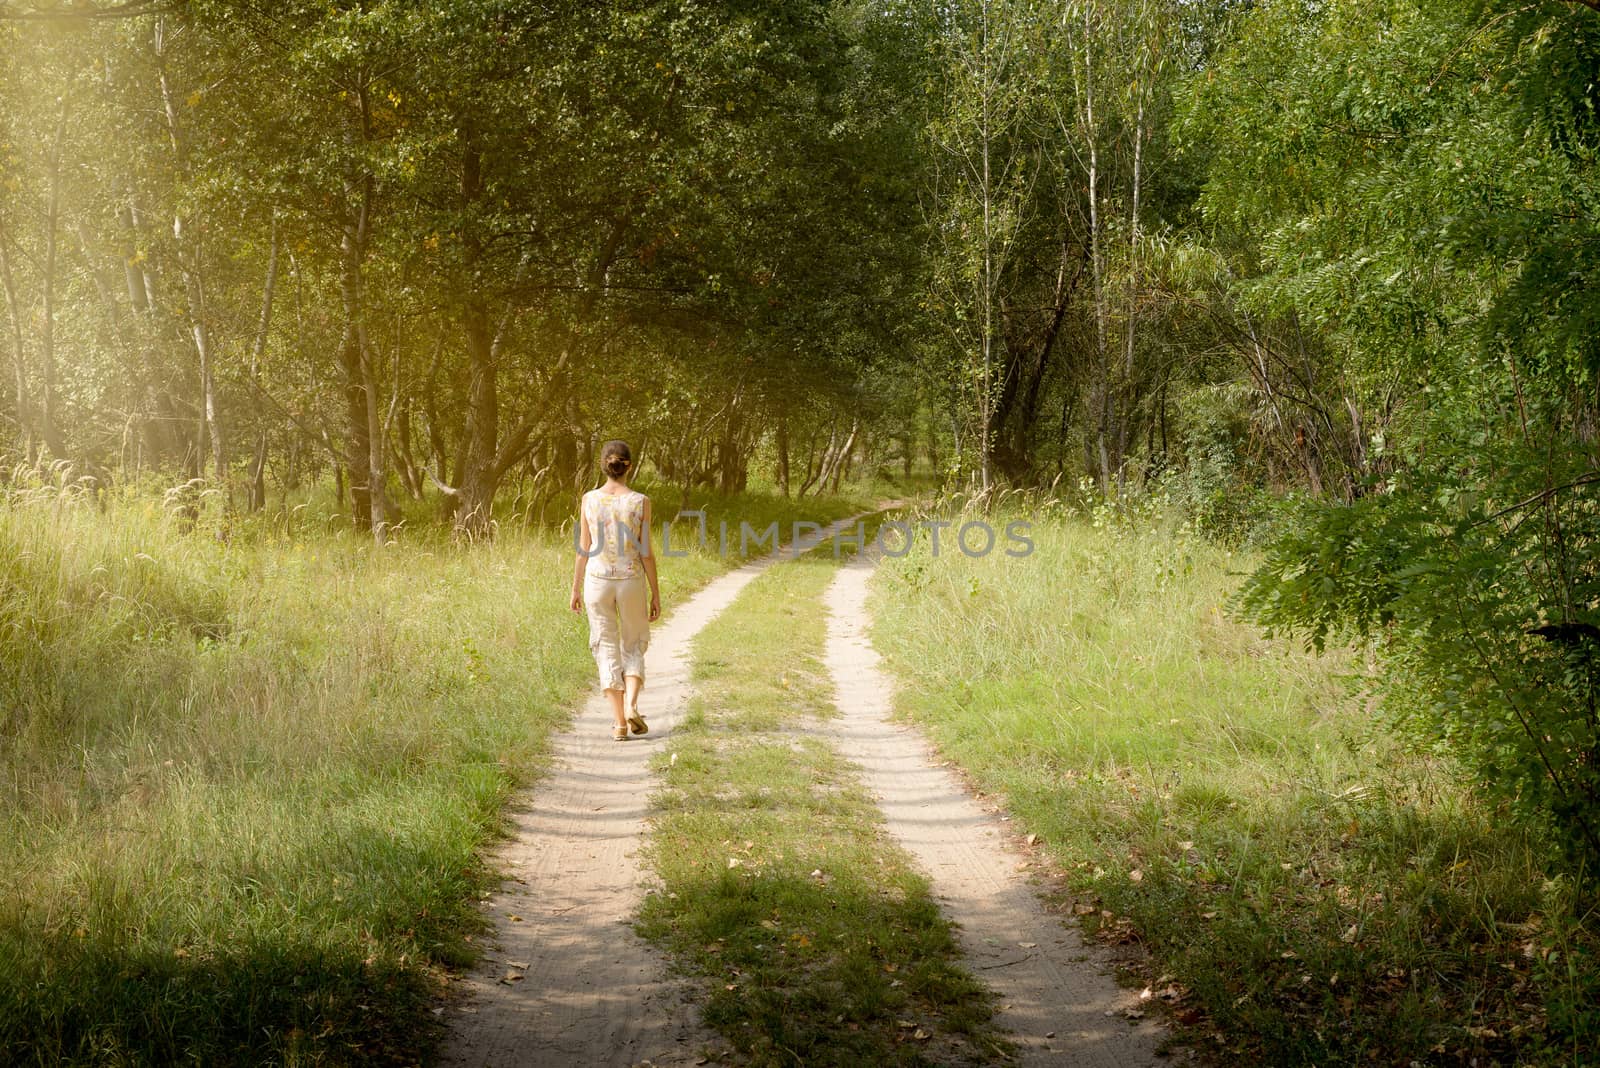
(617, 534)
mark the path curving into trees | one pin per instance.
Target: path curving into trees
(568, 981)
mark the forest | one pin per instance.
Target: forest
(316, 315)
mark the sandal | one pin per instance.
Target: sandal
(636, 722)
(619, 734)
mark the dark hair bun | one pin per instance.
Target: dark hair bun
(615, 458)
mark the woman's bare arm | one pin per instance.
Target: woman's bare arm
(648, 558)
(581, 559)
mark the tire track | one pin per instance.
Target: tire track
(1056, 999)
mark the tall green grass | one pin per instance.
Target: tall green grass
(247, 768)
(1319, 891)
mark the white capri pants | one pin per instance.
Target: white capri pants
(619, 626)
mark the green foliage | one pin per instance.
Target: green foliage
(1475, 618)
(1417, 180)
(1050, 193)
(515, 228)
(1216, 488)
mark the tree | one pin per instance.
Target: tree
(1418, 180)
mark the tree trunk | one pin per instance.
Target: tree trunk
(834, 460)
(405, 455)
(364, 449)
(480, 480)
(355, 398)
(377, 468)
(816, 466)
(987, 294)
(485, 457)
(841, 470)
(200, 331)
(48, 427)
(190, 264)
(783, 452)
(1102, 388)
(18, 353)
(258, 463)
(1017, 412)
(730, 460)
(1125, 419)
(430, 411)
(151, 399)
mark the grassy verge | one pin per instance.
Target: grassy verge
(1319, 892)
(244, 785)
(777, 882)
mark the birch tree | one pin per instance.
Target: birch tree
(986, 171)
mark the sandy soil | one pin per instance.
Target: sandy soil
(568, 981)
(1058, 1001)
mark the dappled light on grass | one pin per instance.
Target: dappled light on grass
(816, 936)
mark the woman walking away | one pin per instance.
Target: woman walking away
(608, 579)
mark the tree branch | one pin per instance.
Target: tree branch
(59, 12)
(1545, 494)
